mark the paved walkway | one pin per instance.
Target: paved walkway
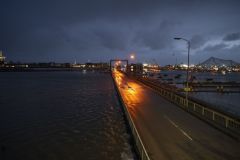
(168, 132)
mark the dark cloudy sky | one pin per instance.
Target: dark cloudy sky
(97, 30)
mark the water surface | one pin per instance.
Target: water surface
(61, 115)
(228, 102)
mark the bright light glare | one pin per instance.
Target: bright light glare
(184, 65)
(145, 64)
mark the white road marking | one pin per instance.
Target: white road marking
(175, 125)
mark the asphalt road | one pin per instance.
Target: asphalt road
(168, 132)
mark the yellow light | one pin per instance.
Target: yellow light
(131, 91)
(132, 56)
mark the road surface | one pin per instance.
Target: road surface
(168, 132)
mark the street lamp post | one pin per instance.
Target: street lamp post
(132, 57)
(187, 88)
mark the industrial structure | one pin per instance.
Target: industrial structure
(2, 58)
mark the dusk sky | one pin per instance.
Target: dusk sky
(98, 30)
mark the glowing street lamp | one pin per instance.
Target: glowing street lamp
(187, 88)
(132, 57)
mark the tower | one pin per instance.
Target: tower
(2, 58)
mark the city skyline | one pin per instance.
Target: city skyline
(65, 31)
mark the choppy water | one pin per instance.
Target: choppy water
(61, 115)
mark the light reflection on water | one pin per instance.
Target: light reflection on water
(61, 115)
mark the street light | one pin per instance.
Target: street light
(132, 56)
(187, 88)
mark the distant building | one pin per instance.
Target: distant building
(100, 65)
(135, 68)
(2, 58)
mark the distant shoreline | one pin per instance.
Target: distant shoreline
(49, 69)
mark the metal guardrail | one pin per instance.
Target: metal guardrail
(224, 120)
(138, 142)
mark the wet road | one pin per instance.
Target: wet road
(168, 132)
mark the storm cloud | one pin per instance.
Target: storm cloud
(197, 41)
(62, 31)
(212, 48)
(232, 37)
